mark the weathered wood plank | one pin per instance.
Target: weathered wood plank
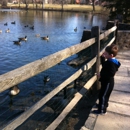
(112, 40)
(72, 104)
(90, 63)
(106, 33)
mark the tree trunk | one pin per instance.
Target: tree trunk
(62, 4)
(19, 3)
(4, 2)
(42, 4)
(93, 4)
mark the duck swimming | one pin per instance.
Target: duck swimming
(26, 26)
(23, 38)
(46, 79)
(45, 38)
(5, 24)
(13, 22)
(17, 42)
(32, 27)
(75, 29)
(14, 90)
(8, 30)
(37, 35)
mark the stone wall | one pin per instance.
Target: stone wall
(123, 39)
(123, 35)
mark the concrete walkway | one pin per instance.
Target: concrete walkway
(118, 114)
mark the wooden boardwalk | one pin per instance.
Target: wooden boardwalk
(118, 114)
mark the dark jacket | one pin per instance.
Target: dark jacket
(109, 68)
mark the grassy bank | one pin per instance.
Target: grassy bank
(57, 7)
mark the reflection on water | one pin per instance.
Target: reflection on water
(60, 29)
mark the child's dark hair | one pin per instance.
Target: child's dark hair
(112, 49)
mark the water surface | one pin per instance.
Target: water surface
(60, 29)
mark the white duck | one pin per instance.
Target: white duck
(0, 31)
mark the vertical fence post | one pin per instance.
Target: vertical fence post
(65, 93)
(116, 31)
(95, 50)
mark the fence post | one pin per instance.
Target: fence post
(116, 23)
(95, 51)
(65, 92)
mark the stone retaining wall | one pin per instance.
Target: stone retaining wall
(123, 35)
(123, 39)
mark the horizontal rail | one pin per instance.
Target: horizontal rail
(112, 40)
(106, 33)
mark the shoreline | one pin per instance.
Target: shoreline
(57, 7)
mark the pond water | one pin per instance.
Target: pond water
(60, 29)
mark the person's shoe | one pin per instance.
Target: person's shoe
(96, 105)
(97, 112)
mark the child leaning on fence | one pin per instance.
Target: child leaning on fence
(110, 66)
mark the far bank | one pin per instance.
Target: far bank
(58, 7)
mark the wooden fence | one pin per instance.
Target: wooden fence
(25, 72)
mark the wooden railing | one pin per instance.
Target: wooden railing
(25, 72)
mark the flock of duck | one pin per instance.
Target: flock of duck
(15, 89)
(18, 42)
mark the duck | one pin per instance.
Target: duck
(37, 35)
(17, 42)
(5, 24)
(26, 26)
(45, 38)
(14, 90)
(0, 31)
(32, 27)
(23, 38)
(46, 79)
(13, 22)
(7, 31)
(75, 29)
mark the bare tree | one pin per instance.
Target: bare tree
(4, 2)
(26, 3)
(63, 2)
(93, 4)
